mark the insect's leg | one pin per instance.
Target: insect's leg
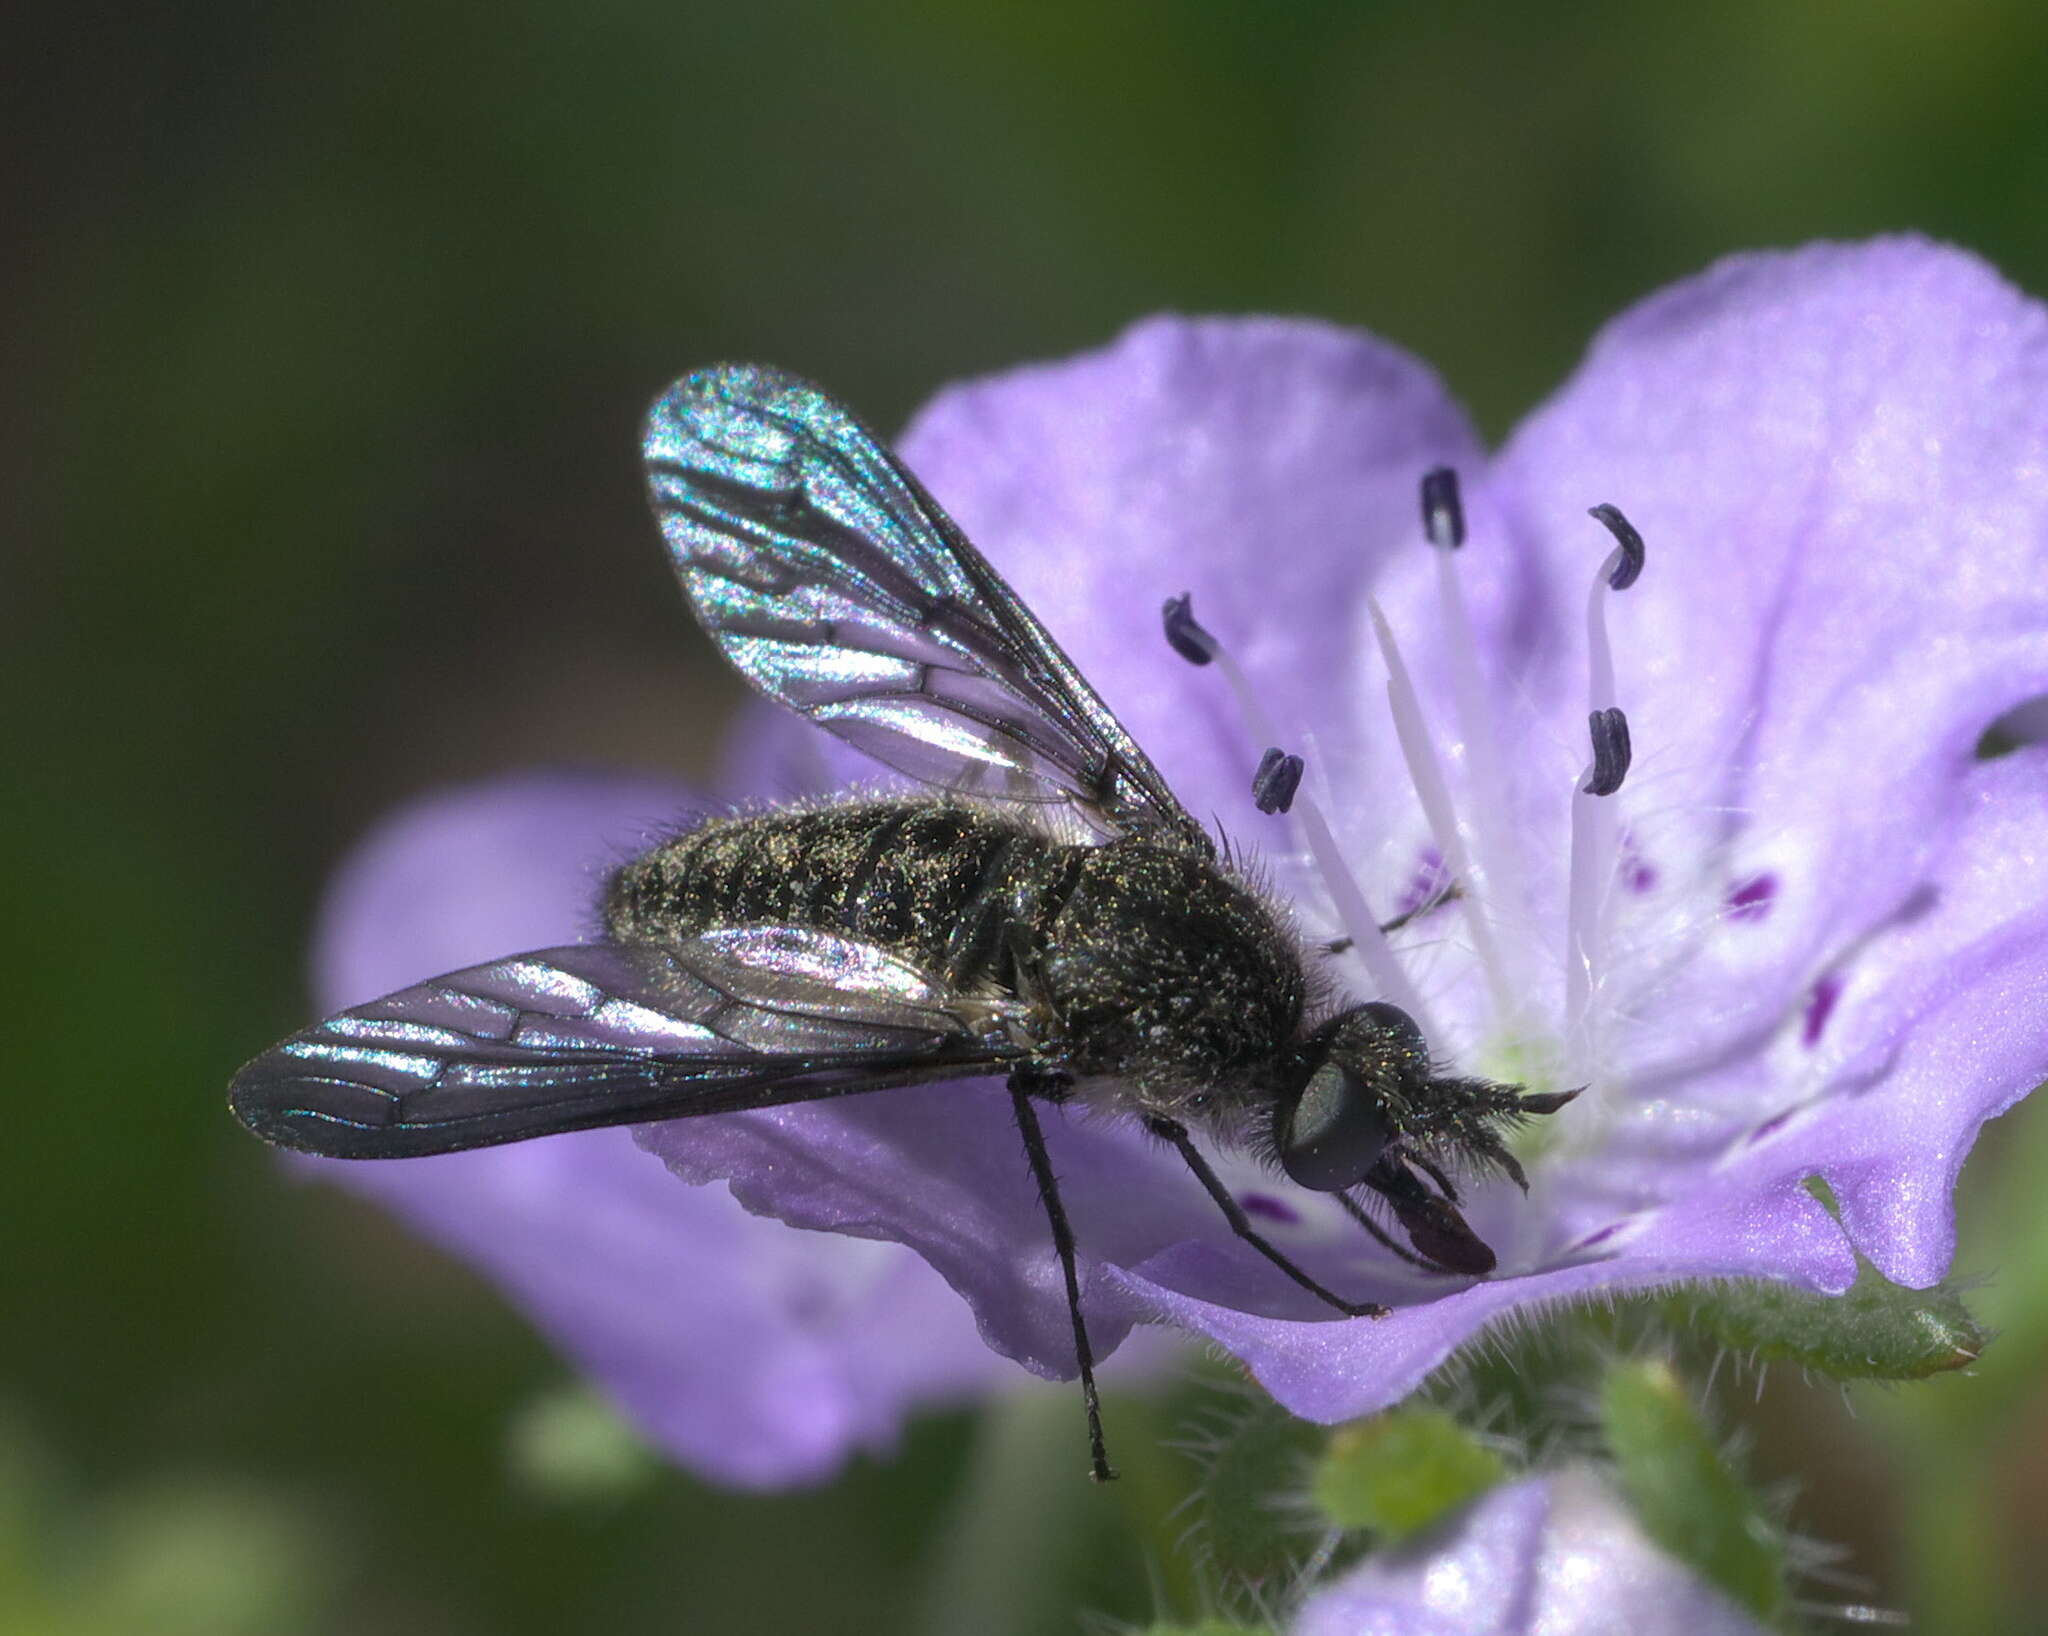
(1063, 1242)
(1173, 1131)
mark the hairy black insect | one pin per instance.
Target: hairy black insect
(1051, 915)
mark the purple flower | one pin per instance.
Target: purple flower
(1557, 1555)
(1805, 938)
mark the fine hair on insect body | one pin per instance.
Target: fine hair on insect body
(1048, 914)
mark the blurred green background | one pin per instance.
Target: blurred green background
(327, 333)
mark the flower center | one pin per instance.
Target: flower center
(1473, 851)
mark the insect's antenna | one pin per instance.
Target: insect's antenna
(1063, 1242)
(1278, 783)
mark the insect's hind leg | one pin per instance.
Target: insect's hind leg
(1022, 1084)
(1174, 1132)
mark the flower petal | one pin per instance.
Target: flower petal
(1839, 457)
(1550, 1556)
(1942, 1024)
(1333, 1371)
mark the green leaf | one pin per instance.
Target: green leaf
(1688, 1495)
(1397, 1473)
(1877, 1330)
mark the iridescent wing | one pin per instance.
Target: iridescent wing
(605, 1034)
(837, 586)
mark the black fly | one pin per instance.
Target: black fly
(1051, 916)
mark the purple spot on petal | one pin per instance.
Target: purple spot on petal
(1638, 874)
(1820, 1005)
(1752, 899)
(1271, 1209)
(1600, 1237)
(1770, 1127)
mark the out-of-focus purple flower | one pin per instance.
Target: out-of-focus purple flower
(1806, 938)
(1551, 1556)
(756, 1356)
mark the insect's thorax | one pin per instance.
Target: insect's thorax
(1141, 961)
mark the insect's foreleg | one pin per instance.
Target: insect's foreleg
(1173, 1131)
(1063, 1242)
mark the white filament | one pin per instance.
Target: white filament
(1594, 848)
(1347, 897)
(1426, 773)
(1498, 884)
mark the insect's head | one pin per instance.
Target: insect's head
(1371, 1112)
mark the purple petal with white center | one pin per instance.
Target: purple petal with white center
(1812, 984)
(757, 1356)
(1550, 1556)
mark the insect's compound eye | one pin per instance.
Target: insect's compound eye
(1334, 1134)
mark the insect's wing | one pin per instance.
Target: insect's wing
(837, 586)
(604, 1034)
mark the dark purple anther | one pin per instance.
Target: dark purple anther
(1183, 633)
(1443, 511)
(1274, 784)
(1611, 752)
(1627, 563)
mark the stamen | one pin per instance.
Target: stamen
(1196, 644)
(1609, 730)
(1594, 843)
(1274, 784)
(1426, 773)
(1443, 509)
(1625, 562)
(1184, 634)
(1496, 886)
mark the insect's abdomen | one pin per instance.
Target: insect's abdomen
(1145, 962)
(934, 882)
